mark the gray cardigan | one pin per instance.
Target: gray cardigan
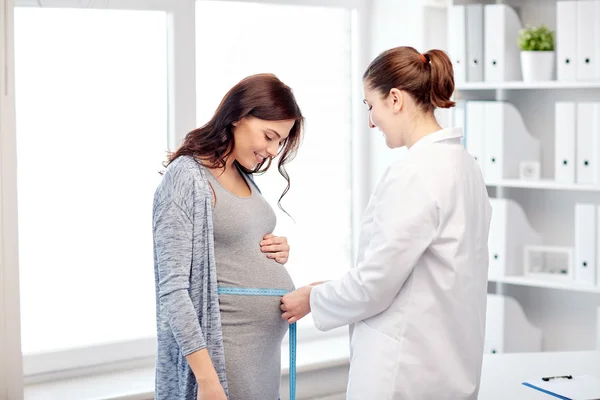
(187, 304)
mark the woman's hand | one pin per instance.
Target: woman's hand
(211, 391)
(275, 247)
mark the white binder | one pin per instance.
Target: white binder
(475, 119)
(458, 119)
(564, 142)
(507, 142)
(598, 329)
(457, 42)
(566, 40)
(443, 117)
(585, 243)
(502, 54)
(510, 231)
(588, 40)
(474, 35)
(587, 143)
(507, 329)
(596, 272)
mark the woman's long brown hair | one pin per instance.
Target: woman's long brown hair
(261, 96)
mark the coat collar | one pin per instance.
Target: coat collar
(438, 136)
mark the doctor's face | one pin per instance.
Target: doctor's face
(382, 115)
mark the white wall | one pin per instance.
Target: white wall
(10, 347)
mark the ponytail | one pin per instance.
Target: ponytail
(428, 77)
(441, 79)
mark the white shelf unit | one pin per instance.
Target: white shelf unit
(534, 282)
(547, 184)
(520, 85)
(566, 312)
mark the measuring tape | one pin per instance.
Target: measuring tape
(279, 293)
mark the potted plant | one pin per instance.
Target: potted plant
(537, 53)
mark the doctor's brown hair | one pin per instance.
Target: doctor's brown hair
(427, 77)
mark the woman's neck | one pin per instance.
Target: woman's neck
(422, 126)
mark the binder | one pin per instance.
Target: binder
(510, 231)
(474, 36)
(587, 143)
(566, 40)
(507, 142)
(443, 117)
(564, 142)
(457, 42)
(585, 387)
(588, 40)
(502, 54)
(585, 243)
(598, 329)
(475, 124)
(507, 328)
(458, 119)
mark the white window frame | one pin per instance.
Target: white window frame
(11, 378)
(182, 119)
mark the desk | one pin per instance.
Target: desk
(502, 374)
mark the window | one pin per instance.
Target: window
(91, 109)
(97, 105)
(309, 49)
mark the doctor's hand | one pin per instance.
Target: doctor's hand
(276, 247)
(295, 305)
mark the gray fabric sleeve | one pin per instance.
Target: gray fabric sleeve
(173, 235)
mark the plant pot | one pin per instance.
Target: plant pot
(537, 65)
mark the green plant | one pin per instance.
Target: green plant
(532, 38)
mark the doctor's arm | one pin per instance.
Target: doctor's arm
(405, 221)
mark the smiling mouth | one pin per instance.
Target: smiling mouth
(259, 157)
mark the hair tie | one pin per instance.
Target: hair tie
(423, 58)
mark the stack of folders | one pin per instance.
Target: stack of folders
(483, 43)
(578, 40)
(577, 142)
(496, 136)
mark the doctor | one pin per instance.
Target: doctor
(416, 300)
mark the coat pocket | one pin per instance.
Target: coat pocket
(374, 363)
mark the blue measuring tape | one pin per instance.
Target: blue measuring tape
(279, 293)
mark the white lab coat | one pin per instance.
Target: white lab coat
(416, 300)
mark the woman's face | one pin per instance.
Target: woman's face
(257, 139)
(385, 114)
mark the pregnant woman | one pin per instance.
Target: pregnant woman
(213, 245)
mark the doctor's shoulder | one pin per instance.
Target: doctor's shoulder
(404, 175)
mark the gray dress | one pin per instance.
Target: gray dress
(252, 326)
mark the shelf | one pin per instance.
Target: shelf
(543, 184)
(520, 85)
(526, 281)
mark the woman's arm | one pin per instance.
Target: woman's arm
(209, 385)
(173, 238)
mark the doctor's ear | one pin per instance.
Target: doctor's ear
(396, 98)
